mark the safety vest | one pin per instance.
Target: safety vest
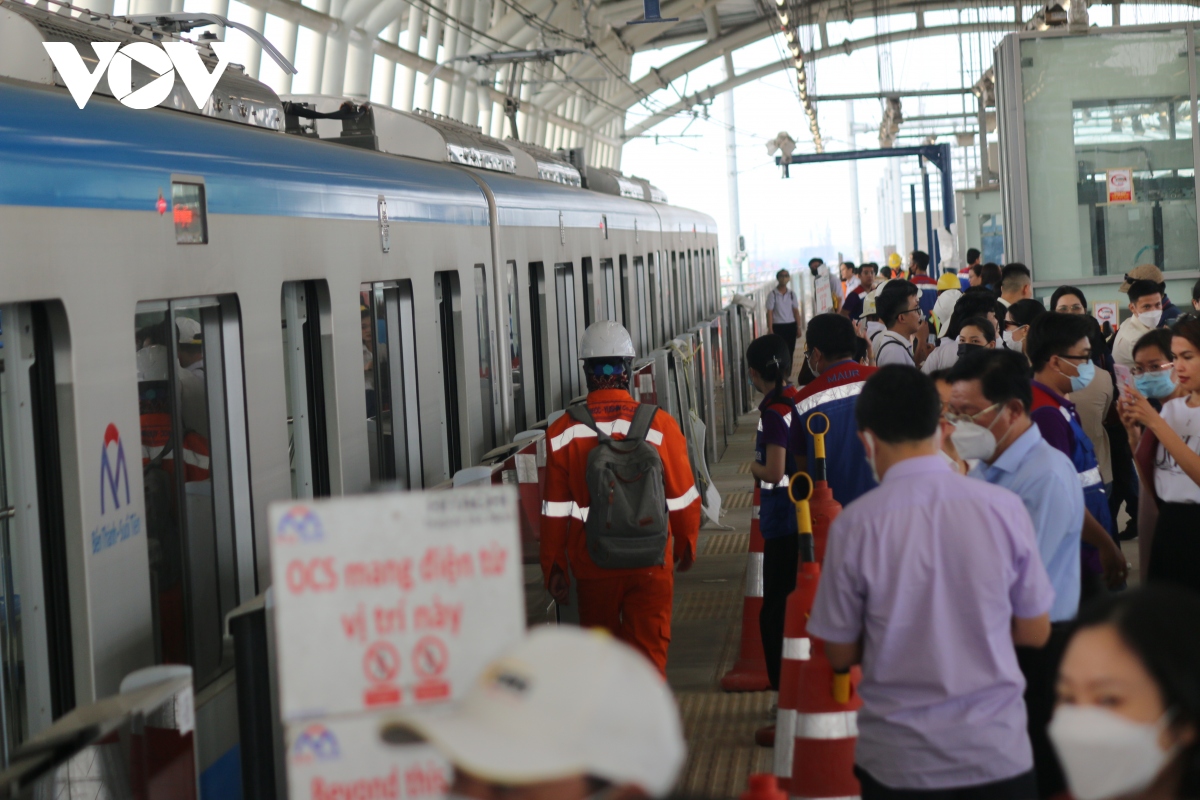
(156, 437)
(776, 513)
(1083, 457)
(565, 499)
(834, 393)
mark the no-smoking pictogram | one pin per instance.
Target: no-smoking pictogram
(381, 663)
(430, 657)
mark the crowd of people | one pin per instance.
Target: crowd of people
(976, 572)
(983, 447)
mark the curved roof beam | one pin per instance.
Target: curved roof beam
(660, 78)
(833, 50)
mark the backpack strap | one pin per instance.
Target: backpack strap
(580, 413)
(642, 418)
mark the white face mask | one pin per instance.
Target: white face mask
(972, 440)
(1150, 318)
(1105, 755)
(1013, 344)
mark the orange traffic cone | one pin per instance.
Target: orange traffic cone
(762, 786)
(749, 673)
(822, 505)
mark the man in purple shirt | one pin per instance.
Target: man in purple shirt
(929, 582)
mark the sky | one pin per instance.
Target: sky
(788, 221)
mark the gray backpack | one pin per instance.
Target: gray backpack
(627, 520)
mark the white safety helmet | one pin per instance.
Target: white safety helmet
(869, 301)
(152, 363)
(606, 339)
(189, 331)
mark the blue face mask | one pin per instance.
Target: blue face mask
(1087, 371)
(1155, 384)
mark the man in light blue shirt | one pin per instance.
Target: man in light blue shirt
(989, 405)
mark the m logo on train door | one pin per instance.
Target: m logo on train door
(113, 471)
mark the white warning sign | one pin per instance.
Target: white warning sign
(385, 601)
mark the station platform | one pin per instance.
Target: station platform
(706, 632)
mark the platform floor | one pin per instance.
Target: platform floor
(706, 631)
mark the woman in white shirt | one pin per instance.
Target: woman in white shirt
(1168, 459)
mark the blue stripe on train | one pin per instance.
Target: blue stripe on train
(52, 154)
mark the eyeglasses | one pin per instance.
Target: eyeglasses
(1164, 367)
(1074, 309)
(952, 417)
(1084, 357)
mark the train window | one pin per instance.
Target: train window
(643, 304)
(482, 324)
(538, 325)
(188, 209)
(626, 300)
(37, 679)
(514, 346)
(656, 325)
(389, 346)
(195, 468)
(307, 345)
(589, 291)
(610, 289)
(568, 336)
(450, 328)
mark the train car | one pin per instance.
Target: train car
(201, 313)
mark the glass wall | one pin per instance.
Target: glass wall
(1099, 110)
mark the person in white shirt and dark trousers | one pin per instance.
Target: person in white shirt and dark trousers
(783, 311)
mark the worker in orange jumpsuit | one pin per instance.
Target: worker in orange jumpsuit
(634, 604)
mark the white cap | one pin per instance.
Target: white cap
(562, 702)
(152, 363)
(188, 330)
(606, 339)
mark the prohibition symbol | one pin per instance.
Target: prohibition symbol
(430, 659)
(381, 665)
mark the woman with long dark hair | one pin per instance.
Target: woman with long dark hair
(1127, 724)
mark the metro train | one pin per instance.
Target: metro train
(250, 313)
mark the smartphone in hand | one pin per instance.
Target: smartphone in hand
(1124, 378)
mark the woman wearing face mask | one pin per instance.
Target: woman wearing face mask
(975, 302)
(1127, 723)
(1017, 319)
(1169, 465)
(774, 462)
(976, 333)
(1154, 369)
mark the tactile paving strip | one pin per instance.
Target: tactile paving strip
(723, 544)
(720, 732)
(738, 500)
(744, 468)
(707, 605)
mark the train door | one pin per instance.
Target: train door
(589, 292)
(307, 349)
(655, 292)
(196, 476)
(611, 301)
(487, 397)
(514, 346)
(539, 322)
(450, 331)
(37, 679)
(642, 303)
(389, 346)
(568, 335)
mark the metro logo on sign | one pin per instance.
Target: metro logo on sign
(315, 743)
(299, 524)
(164, 60)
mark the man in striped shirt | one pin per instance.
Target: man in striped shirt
(634, 604)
